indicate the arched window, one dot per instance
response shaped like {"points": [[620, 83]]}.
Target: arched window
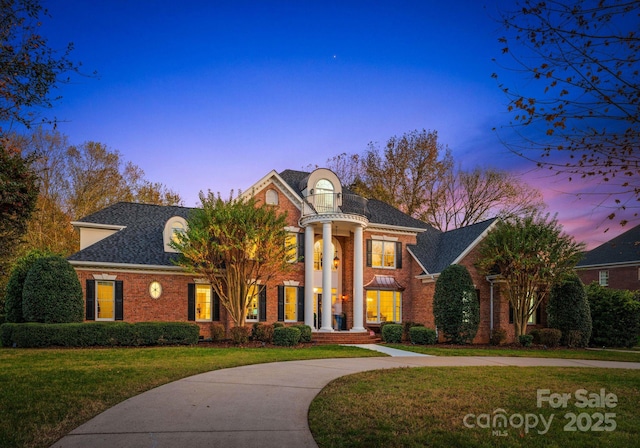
{"points": [[317, 255], [324, 196], [174, 226], [272, 197]]}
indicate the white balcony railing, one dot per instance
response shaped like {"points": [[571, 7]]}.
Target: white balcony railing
{"points": [[323, 203]]}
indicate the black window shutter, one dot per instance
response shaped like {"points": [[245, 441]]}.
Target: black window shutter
{"points": [[300, 246], [300, 304], [398, 255], [510, 314], [91, 300], [216, 305], [280, 303], [119, 309], [369, 255], [538, 315], [191, 301], [262, 304]]}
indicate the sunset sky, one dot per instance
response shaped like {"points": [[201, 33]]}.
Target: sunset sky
{"points": [[215, 94]]}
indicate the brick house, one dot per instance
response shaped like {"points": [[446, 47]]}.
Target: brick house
{"points": [[378, 263], [615, 264]]}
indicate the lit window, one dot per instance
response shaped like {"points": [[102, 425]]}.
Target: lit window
{"points": [[203, 302], [272, 197], [177, 228], [290, 303], [105, 300], [291, 245], [383, 254], [317, 256], [253, 303], [603, 278], [384, 306]]}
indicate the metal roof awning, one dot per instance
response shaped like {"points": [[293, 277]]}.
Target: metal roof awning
{"points": [[386, 282]]}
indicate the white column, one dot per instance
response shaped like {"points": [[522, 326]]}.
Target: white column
{"points": [[308, 276], [327, 260], [358, 284]]}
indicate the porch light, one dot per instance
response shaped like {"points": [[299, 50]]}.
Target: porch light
{"points": [[336, 261]]}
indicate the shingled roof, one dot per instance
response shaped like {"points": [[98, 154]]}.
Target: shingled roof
{"points": [[623, 249], [437, 250], [140, 243]]}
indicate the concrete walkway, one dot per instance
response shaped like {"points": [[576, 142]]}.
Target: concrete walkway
{"points": [[263, 405]]}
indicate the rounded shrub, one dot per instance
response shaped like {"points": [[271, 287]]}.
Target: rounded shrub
{"points": [[15, 285], [568, 310], [52, 292], [305, 332], [455, 305], [420, 335], [498, 336], [286, 336], [262, 332], [217, 332], [550, 337], [525, 340], [240, 335], [392, 333]]}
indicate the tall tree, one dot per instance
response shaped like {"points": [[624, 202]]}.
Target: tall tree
{"points": [[530, 255], [29, 68], [18, 196], [236, 245], [402, 174], [580, 112], [462, 198]]}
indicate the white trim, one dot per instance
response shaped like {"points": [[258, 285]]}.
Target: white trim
{"points": [[292, 229], [376, 227], [92, 225], [124, 267], [384, 238], [291, 283], [416, 260], [626, 264], [104, 277], [272, 177]]}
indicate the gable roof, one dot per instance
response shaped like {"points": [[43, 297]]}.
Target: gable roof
{"points": [[140, 242], [436, 250], [380, 212], [623, 249]]}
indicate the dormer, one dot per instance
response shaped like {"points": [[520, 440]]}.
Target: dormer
{"points": [[173, 226], [323, 191], [91, 233]]}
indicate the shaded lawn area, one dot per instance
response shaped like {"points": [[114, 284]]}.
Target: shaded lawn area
{"points": [[601, 355], [426, 406], [46, 393]]}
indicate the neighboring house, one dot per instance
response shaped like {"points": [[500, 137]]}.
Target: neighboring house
{"points": [[615, 264], [362, 257]]}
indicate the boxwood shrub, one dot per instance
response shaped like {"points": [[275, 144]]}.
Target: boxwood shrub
{"points": [[32, 335], [262, 332], [420, 335], [549, 337], [286, 336], [392, 333], [305, 332], [525, 340]]}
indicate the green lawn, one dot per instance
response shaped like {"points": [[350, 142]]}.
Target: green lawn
{"points": [[46, 393], [429, 407], [602, 355]]}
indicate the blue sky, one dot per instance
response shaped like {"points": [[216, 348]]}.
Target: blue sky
{"points": [[214, 94]]}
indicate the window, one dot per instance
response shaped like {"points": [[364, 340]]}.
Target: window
{"points": [[177, 228], [384, 306], [291, 245], [105, 301], [384, 254], [323, 199], [603, 278], [317, 256], [203, 302], [272, 197], [257, 304], [172, 228], [290, 303]]}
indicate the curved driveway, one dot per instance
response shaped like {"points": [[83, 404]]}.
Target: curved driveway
{"points": [[262, 405]]}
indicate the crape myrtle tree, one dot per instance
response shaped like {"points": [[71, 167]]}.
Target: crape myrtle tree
{"points": [[530, 255], [455, 305], [236, 244], [579, 114]]}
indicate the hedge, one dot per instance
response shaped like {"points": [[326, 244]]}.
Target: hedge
{"points": [[615, 315], [305, 332], [109, 334], [286, 336], [568, 310]]}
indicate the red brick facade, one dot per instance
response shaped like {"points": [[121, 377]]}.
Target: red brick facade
{"points": [[623, 277]]}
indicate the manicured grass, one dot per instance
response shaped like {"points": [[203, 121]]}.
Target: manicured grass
{"points": [[46, 393], [427, 407], [601, 355]]}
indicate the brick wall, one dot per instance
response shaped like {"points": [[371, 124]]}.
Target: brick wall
{"points": [[625, 277]]}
